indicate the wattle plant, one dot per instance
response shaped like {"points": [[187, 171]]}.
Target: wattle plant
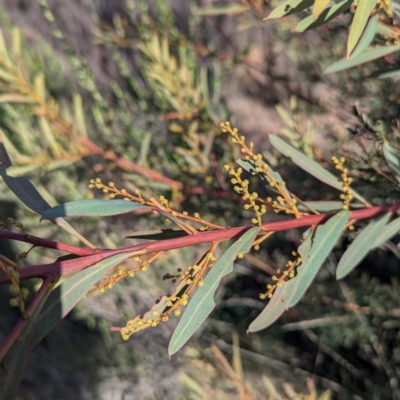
{"points": [[373, 33], [71, 277]]}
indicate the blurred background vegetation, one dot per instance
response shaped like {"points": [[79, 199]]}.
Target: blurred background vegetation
{"points": [[149, 82]]}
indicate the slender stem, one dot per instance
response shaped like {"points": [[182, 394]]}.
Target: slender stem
{"points": [[187, 228], [13, 336], [61, 268], [50, 244], [126, 164], [67, 267]]}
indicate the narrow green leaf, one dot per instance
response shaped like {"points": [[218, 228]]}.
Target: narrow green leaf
{"points": [[93, 208], [305, 163], [286, 117], [16, 42], [361, 246], [21, 187], [145, 143], [23, 170], [29, 195], [386, 29], [79, 114], [367, 36], [26, 192], [392, 159], [390, 230], [319, 7], [11, 149], [289, 7], [39, 84], [14, 361], [202, 303], [325, 206], [3, 48], [323, 242], [15, 98], [63, 224], [6, 76], [309, 165], [275, 307], [64, 297], [305, 247], [389, 74], [5, 161], [367, 55], [327, 15], [360, 20]]}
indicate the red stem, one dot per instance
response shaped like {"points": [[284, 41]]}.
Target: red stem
{"points": [[155, 176], [73, 266], [50, 244], [124, 163]]}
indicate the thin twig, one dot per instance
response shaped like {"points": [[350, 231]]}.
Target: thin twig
{"points": [[50, 244], [260, 264]]}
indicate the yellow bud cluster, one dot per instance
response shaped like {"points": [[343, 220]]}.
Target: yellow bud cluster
{"points": [[210, 256], [17, 224], [284, 203], [281, 277], [163, 201], [20, 293], [21, 256], [112, 191], [184, 299], [154, 317], [242, 187], [346, 181]]}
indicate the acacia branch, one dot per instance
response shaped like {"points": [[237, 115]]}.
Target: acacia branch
{"points": [[67, 267], [50, 244]]}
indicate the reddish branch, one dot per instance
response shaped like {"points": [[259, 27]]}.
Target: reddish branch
{"points": [[50, 244], [126, 164], [92, 257], [92, 148]]}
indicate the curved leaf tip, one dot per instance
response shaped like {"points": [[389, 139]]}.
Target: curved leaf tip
{"points": [[314, 251], [202, 302], [361, 246]]}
